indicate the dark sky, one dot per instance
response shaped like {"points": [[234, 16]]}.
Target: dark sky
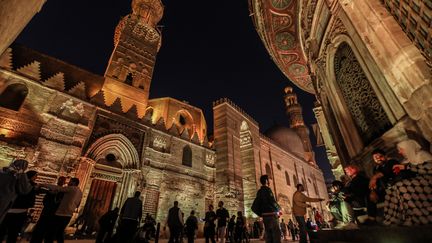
{"points": [[210, 49]]}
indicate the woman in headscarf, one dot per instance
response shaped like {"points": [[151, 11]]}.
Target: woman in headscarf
{"points": [[413, 153], [407, 200], [13, 182]]}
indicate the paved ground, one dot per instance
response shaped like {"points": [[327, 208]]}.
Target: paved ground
{"points": [[201, 240]]}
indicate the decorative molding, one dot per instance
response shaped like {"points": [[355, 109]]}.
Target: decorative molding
{"points": [[79, 90], [56, 82], [32, 70], [6, 59]]}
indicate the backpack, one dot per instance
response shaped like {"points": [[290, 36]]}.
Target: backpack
{"points": [[256, 207]]}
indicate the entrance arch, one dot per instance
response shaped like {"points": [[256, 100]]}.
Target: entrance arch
{"points": [[115, 176]]}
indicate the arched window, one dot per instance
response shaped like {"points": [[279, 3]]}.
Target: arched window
{"points": [[187, 156], [182, 120], [268, 171], [13, 96], [288, 182], [362, 102], [305, 185], [129, 79]]}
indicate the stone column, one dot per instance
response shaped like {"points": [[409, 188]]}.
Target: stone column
{"points": [[328, 142], [14, 16]]}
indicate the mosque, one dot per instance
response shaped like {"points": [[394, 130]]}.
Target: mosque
{"points": [[106, 131]]}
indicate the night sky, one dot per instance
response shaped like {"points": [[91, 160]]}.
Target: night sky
{"points": [[210, 50]]}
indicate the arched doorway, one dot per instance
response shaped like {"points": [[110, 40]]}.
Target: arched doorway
{"points": [[114, 178]]}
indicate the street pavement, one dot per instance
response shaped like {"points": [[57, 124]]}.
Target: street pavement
{"points": [[200, 240]]}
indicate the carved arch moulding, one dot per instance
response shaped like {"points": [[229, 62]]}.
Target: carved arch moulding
{"points": [[117, 145]]}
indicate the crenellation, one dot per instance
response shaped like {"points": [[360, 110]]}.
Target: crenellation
{"points": [[31, 70]]}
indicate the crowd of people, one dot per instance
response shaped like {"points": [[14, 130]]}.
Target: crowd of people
{"points": [[397, 193], [18, 194]]}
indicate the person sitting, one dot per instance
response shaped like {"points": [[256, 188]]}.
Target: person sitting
{"points": [[383, 176], [343, 216], [356, 190], [407, 200], [318, 217]]}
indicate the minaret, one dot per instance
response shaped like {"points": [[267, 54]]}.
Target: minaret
{"points": [[136, 44], [294, 112]]}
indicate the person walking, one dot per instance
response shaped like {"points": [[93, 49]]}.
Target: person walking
{"points": [[291, 228], [50, 203], [71, 199], [175, 223], [209, 225], [299, 210], [191, 227], [106, 225], [18, 213], [283, 227], [222, 218], [265, 206], [13, 182], [231, 225], [240, 227], [130, 217]]}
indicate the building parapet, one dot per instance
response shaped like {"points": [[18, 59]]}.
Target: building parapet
{"points": [[236, 107]]}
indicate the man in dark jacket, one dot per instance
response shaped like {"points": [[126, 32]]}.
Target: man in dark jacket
{"points": [[356, 190], [51, 202], [106, 225], [175, 223], [17, 214], [265, 206], [13, 182], [130, 217], [191, 226], [383, 175]]}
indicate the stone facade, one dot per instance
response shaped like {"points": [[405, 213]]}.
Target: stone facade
{"points": [[243, 154], [381, 95], [14, 16], [105, 131]]}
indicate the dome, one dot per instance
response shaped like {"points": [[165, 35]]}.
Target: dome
{"points": [[286, 138]]}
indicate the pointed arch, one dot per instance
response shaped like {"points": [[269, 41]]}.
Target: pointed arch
{"points": [[268, 171], [287, 178], [369, 116], [117, 145]]}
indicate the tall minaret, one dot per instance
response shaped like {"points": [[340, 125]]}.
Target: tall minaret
{"points": [[136, 44], [294, 112]]}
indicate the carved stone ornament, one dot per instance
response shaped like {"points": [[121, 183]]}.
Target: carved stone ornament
{"points": [[337, 28], [71, 108], [210, 159], [360, 98], [159, 142]]}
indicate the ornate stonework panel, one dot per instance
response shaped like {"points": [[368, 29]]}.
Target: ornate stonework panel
{"points": [[276, 22], [285, 41], [210, 160], [105, 125], [280, 4], [360, 98]]}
